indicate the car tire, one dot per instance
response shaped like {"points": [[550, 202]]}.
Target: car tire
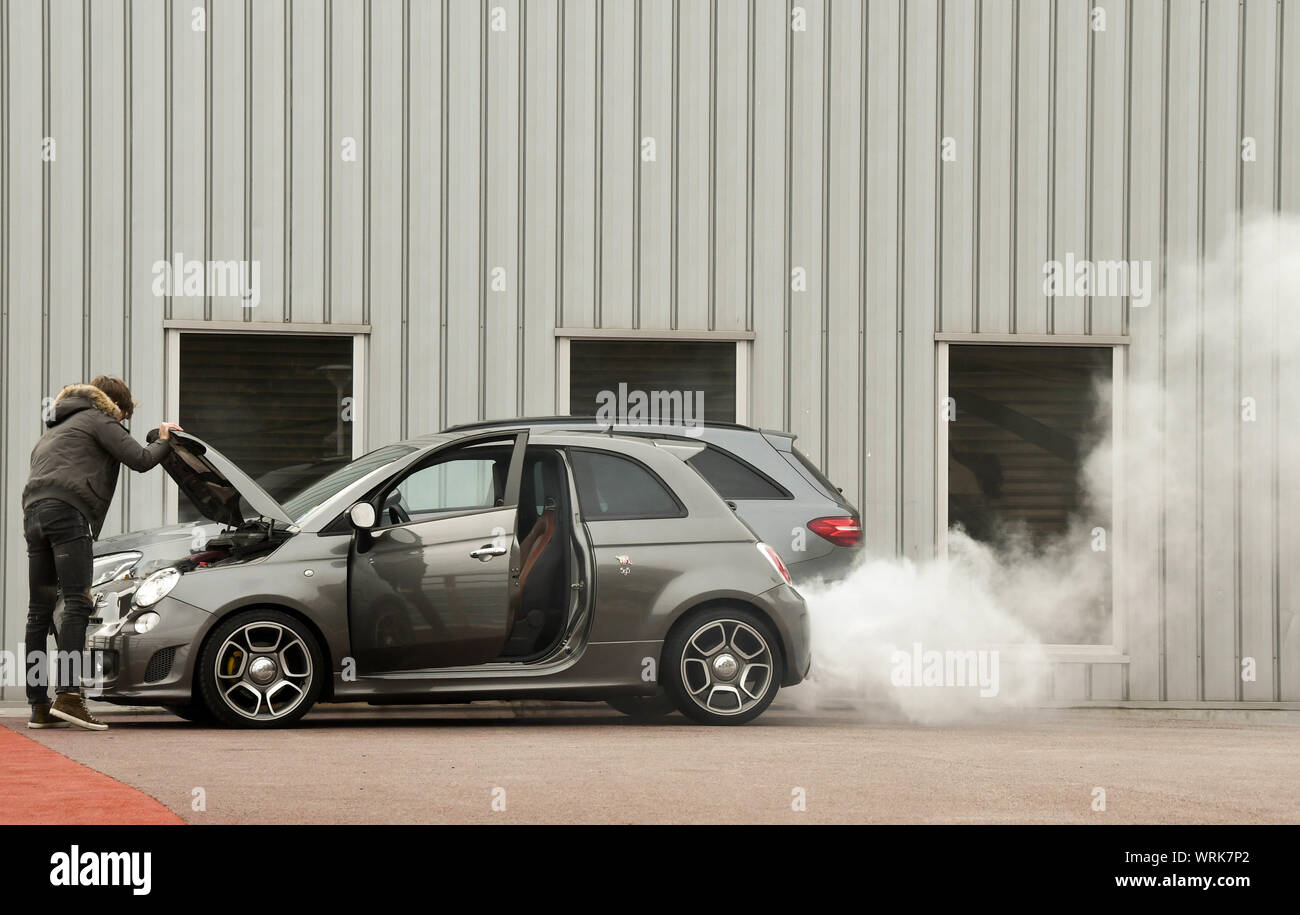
{"points": [[196, 712], [644, 708], [260, 669], [722, 665]]}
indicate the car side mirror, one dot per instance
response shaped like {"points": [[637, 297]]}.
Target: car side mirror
{"points": [[362, 516]]}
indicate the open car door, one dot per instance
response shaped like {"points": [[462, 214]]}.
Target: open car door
{"points": [[429, 584]]}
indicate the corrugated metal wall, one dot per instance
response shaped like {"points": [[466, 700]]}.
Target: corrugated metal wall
{"points": [[786, 136]]}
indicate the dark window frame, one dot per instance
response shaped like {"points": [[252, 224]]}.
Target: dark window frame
{"points": [[683, 512], [786, 497]]}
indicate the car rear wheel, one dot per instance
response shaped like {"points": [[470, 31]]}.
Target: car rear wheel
{"points": [[260, 669], [644, 708], [722, 665]]}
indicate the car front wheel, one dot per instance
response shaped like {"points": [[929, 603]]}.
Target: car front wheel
{"points": [[722, 665], [260, 669]]}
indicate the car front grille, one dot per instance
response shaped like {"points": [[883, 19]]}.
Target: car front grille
{"points": [[160, 665]]}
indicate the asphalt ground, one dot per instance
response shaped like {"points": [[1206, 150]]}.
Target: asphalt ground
{"points": [[579, 763]]}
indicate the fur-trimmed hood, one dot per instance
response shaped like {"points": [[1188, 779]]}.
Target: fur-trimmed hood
{"points": [[77, 397]]}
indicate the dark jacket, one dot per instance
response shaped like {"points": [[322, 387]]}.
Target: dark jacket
{"points": [[78, 459]]}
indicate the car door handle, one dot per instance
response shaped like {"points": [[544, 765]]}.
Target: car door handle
{"points": [[487, 551]]}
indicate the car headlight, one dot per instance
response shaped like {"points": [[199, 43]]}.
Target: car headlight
{"points": [[113, 566], [156, 587], [146, 621]]}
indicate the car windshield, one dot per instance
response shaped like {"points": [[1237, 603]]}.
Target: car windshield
{"points": [[306, 500]]}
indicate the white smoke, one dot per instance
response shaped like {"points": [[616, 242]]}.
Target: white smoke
{"points": [[872, 630]]}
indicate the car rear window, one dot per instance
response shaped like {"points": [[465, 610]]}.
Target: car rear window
{"points": [[733, 478], [820, 478], [614, 488]]}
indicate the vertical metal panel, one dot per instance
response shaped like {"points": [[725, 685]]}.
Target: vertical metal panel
{"points": [[1107, 117], [267, 146], [1257, 452], [1220, 418], [876, 489], [420, 351], [503, 216], [65, 240], [918, 283], [1033, 167], [349, 120], [185, 82], [578, 101], [1141, 584], [995, 141], [1287, 581], [807, 215], [841, 378], [540, 203], [1068, 163], [692, 149], [309, 154], [617, 162], [465, 293], [146, 368], [25, 328], [770, 268], [1182, 118], [385, 193], [653, 305], [960, 155], [106, 201], [228, 145], [728, 233]]}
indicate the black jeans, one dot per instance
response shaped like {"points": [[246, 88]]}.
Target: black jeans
{"points": [[59, 555]]}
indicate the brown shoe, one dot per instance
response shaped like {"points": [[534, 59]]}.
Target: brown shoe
{"points": [[41, 718], [72, 709]]}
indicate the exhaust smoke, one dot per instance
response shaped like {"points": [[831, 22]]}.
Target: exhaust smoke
{"points": [[961, 637]]}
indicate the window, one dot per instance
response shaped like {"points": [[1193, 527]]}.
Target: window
{"points": [[454, 483], [653, 381], [614, 488], [1025, 420], [311, 497], [733, 478], [286, 442]]}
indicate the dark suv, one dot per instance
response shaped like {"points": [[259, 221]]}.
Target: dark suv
{"points": [[774, 488]]}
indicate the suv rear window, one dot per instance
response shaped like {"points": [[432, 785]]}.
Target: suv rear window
{"points": [[820, 478], [734, 479], [613, 488]]}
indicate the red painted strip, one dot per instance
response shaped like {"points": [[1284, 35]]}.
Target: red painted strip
{"points": [[41, 787]]}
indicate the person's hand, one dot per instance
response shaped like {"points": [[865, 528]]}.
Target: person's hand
{"points": [[165, 429]]}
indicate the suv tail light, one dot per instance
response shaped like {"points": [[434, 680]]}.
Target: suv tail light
{"points": [[839, 531], [775, 559]]}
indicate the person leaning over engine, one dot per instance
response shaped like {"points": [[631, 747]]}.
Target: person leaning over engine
{"points": [[74, 471]]}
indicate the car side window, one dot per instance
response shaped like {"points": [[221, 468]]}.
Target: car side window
{"points": [[461, 483], [613, 488], [734, 479]]}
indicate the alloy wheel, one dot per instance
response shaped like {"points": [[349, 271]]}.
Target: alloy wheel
{"points": [[726, 667], [263, 671]]}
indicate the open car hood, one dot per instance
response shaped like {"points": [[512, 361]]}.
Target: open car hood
{"points": [[213, 483]]}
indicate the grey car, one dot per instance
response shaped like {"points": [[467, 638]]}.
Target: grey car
{"points": [[489, 564], [774, 487]]}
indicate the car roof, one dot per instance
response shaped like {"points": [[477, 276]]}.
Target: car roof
{"points": [[565, 420], [589, 437]]}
